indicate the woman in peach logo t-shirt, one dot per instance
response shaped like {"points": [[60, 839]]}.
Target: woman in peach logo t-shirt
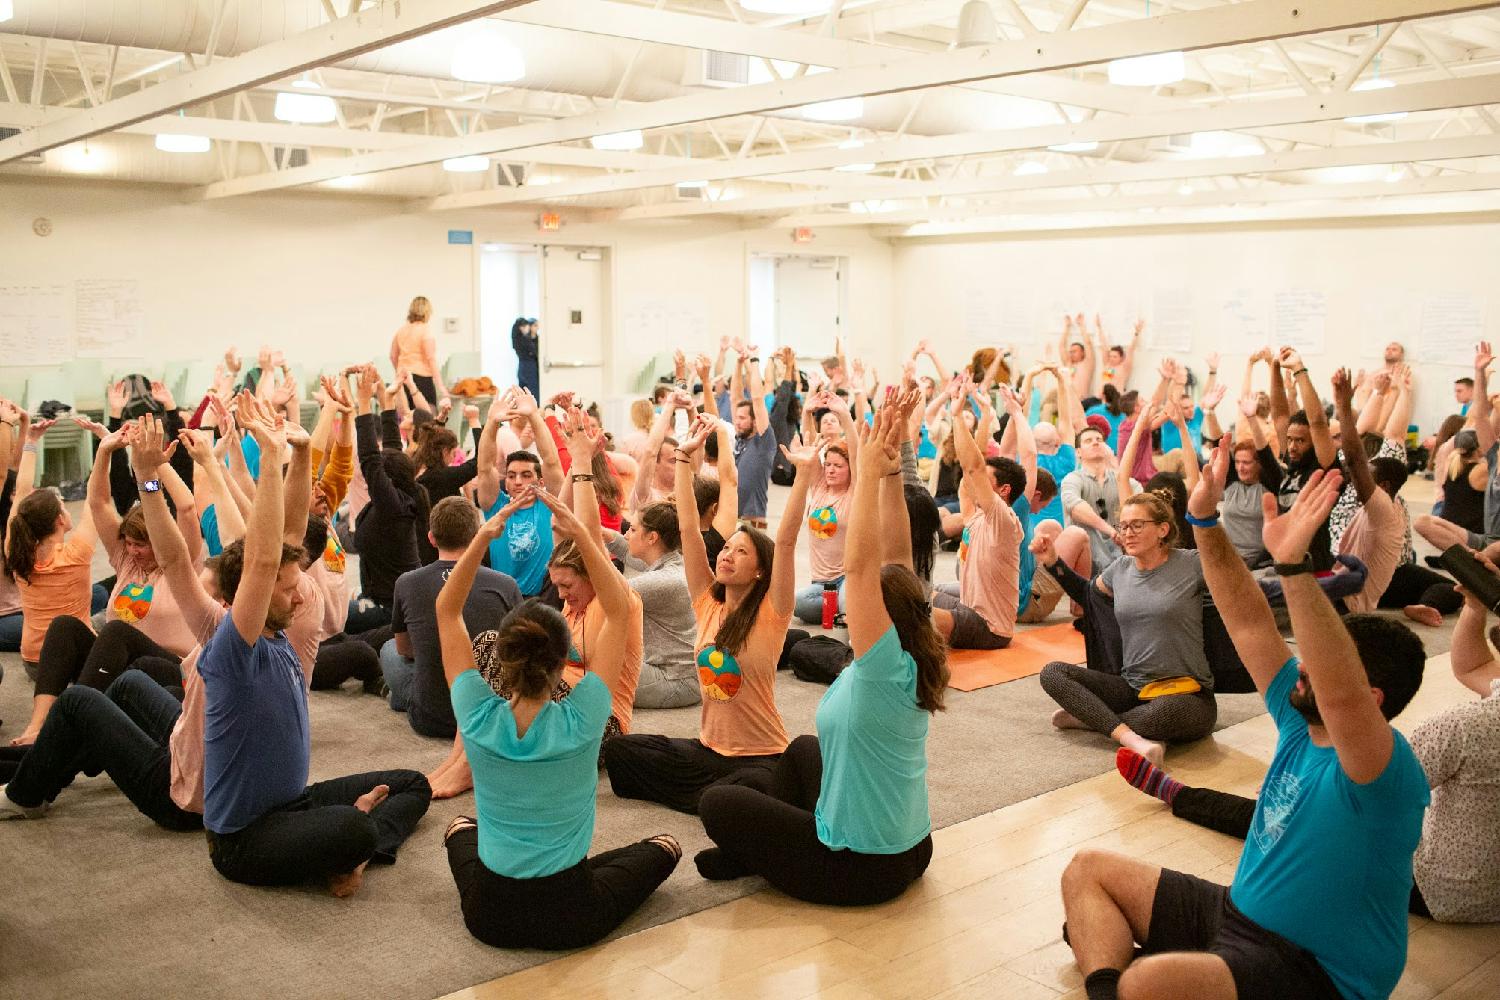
{"points": [[743, 606]]}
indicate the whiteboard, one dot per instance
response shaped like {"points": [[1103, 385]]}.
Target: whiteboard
{"points": [[665, 324], [34, 325], [108, 317], [1171, 326], [1301, 320]]}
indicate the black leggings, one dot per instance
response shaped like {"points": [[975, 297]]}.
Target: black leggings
{"points": [[770, 831], [672, 771], [569, 909], [1103, 701], [73, 654], [341, 657], [1414, 584], [1232, 815]]}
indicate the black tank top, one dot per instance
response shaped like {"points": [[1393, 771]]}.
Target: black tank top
{"points": [[1462, 503]]}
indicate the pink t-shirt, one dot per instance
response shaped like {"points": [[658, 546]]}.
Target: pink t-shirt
{"points": [[186, 742], [990, 571], [143, 599], [1145, 466], [1376, 538], [328, 573], [827, 531]]}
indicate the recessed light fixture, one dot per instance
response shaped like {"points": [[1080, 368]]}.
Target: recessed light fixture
{"points": [[305, 108], [7, 10], [619, 141], [1030, 168], [466, 164], [1375, 83]]}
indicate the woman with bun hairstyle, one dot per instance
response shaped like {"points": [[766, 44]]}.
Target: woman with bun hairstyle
{"points": [[843, 819], [743, 605], [524, 878]]}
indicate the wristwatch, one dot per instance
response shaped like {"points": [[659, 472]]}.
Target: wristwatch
{"points": [[1296, 568], [151, 486]]}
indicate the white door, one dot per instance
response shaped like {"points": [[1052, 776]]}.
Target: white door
{"points": [[509, 289], [574, 327], [807, 304]]}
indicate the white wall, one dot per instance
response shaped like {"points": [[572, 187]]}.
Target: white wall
{"points": [[329, 277], [1374, 280]]}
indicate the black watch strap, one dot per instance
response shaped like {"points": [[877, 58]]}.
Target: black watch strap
{"points": [[1294, 569]]}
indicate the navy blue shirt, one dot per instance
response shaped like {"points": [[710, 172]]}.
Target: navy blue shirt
{"points": [[256, 738]]}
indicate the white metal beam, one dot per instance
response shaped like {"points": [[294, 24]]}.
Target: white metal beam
{"points": [[1426, 96], [360, 32], [1128, 173], [1253, 21], [1265, 194]]}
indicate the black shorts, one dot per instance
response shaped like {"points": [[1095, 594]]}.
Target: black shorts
{"points": [[1191, 914]]}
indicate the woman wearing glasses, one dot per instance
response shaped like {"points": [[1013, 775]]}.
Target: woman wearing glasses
{"points": [[1164, 690]]}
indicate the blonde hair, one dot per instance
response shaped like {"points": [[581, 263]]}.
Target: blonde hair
{"points": [[1158, 504], [641, 412], [420, 310]]}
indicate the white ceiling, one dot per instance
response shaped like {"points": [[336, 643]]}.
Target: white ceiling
{"points": [[957, 140]]}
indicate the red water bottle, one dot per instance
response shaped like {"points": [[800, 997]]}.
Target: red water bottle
{"points": [[830, 603]]}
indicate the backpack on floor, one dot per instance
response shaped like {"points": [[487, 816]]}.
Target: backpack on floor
{"points": [[820, 659]]}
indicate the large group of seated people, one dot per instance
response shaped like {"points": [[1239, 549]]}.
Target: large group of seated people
{"points": [[533, 591]]}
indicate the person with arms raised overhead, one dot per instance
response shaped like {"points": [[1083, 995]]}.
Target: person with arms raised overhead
{"points": [[755, 441], [523, 551], [843, 818], [1318, 904], [743, 606], [266, 825], [524, 878]]}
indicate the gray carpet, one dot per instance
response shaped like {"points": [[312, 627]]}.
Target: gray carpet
{"points": [[99, 901]]}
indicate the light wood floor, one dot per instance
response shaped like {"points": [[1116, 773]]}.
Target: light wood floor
{"points": [[985, 921]]}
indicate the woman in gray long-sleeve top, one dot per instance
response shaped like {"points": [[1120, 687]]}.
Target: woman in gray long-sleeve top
{"points": [[669, 672]]}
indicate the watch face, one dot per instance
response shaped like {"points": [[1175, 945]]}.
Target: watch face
{"points": [[153, 486]]}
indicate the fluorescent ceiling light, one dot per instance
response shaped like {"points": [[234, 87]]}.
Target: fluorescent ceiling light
{"points": [[484, 55], [1184, 189], [168, 143], [1030, 168], [856, 168], [7, 10], [852, 144], [620, 141], [842, 110], [1210, 144], [1375, 83], [787, 6], [466, 164], [1074, 147], [76, 157], [1148, 71], [305, 109], [1395, 174]]}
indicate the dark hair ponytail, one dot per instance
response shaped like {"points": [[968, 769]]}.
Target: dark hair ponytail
{"points": [[531, 646], [906, 602], [34, 521]]}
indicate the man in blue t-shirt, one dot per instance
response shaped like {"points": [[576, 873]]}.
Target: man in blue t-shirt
{"points": [[1318, 905], [754, 440], [266, 825], [523, 550]]}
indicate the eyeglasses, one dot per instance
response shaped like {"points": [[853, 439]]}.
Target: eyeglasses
{"points": [[1132, 527]]}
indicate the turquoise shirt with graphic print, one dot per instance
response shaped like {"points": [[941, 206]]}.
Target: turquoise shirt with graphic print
{"points": [[1327, 864]]}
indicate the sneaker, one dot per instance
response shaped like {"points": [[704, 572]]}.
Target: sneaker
{"points": [[9, 810]]}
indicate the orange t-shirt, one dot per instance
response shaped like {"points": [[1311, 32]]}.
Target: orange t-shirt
{"points": [[592, 653], [739, 690], [59, 586]]}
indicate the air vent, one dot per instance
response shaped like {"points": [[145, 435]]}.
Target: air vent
{"points": [[287, 157], [692, 191], [6, 132], [510, 174], [718, 69], [1180, 143]]}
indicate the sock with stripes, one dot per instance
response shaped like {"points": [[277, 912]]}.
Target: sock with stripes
{"points": [[1146, 776]]}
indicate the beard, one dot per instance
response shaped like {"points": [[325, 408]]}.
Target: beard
{"points": [[278, 619], [1306, 703]]}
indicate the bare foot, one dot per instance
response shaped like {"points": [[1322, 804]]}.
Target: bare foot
{"points": [[368, 801], [452, 781], [1156, 753], [1062, 719], [344, 886], [1424, 614], [25, 739]]}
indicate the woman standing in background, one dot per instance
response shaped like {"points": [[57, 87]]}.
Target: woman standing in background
{"points": [[414, 349], [524, 340]]}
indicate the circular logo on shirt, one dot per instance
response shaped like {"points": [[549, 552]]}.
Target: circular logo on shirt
{"points": [[963, 545], [333, 555], [719, 673], [134, 602], [823, 522]]}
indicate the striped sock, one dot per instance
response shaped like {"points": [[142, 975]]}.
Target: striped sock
{"points": [[1146, 776]]}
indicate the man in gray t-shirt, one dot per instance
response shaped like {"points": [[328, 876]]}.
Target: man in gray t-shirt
{"points": [[415, 655], [1101, 495]]}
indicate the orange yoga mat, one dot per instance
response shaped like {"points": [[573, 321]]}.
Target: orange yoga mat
{"points": [[1029, 651]]}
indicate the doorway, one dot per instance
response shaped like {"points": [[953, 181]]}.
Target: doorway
{"points": [[565, 289], [797, 300]]}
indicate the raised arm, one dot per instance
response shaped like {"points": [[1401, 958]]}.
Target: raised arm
{"points": [[1369, 414], [758, 398], [489, 456], [1281, 409], [700, 574], [1355, 459], [178, 568], [1312, 405], [1242, 604], [208, 468], [101, 505], [659, 428], [546, 447], [1025, 438], [1400, 419], [1481, 412], [783, 589], [1144, 414], [186, 512], [727, 514], [298, 485], [1360, 733], [252, 601], [1473, 660], [610, 588], [975, 490], [866, 615], [453, 634], [1122, 376]]}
